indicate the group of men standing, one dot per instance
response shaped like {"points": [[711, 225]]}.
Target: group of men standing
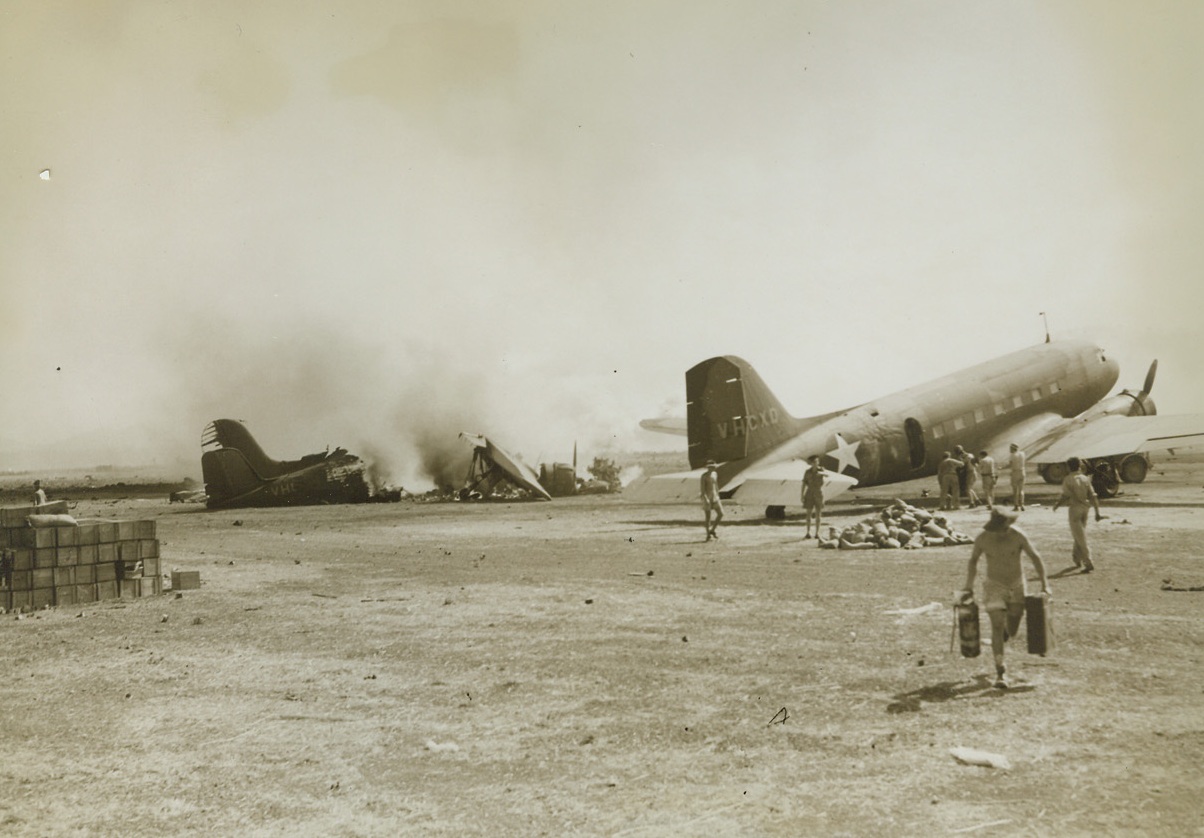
{"points": [[959, 471]]}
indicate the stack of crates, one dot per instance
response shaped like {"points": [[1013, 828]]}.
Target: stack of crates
{"points": [[74, 564]]}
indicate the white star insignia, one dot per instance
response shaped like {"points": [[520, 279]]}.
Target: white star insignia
{"points": [[845, 454]]}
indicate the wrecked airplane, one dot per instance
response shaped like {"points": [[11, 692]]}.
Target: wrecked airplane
{"points": [[493, 466], [238, 473]]}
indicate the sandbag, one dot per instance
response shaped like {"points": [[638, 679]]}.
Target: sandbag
{"points": [[61, 520]]}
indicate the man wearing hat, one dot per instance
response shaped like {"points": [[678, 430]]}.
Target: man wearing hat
{"points": [[710, 499], [1003, 590]]}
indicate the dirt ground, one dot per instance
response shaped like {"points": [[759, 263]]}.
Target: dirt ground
{"points": [[591, 667]]}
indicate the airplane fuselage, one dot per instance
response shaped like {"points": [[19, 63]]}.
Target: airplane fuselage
{"points": [[903, 436]]}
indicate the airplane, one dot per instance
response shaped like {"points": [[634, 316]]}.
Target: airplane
{"points": [[1049, 399], [491, 465], [238, 473]]}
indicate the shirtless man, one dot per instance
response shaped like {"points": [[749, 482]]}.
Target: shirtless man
{"points": [[710, 499], [39, 494], [813, 492], [1003, 590], [1017, 463], [1077, 489], [946, 476]]}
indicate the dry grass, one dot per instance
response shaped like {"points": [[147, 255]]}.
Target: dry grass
{"points": [[590, 667]]}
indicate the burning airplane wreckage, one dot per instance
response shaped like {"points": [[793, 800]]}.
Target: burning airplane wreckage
{"points": [[238, 473], [496, 472]]}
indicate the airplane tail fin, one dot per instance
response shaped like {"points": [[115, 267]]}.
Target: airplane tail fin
{"points": [[232, 463], [730, 412]]}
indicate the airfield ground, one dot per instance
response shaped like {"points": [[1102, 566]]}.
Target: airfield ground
{"points": [[591, 667]]}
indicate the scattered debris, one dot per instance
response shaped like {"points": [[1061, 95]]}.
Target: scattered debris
{"points": [[972, 756], [930, 608], [1167, 585], [436, 747]]}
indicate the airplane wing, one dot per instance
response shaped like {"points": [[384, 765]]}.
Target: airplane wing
{"points": [[777, 485], [675, 425], [1116, 435]]}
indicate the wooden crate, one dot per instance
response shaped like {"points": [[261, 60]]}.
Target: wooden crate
{"points": [[64, 577], [36, 537], [66, 556], [106, 553], [85, 574], [106, 572], [64, 595], [126, 530], [130, 588], [45, 556], [185, 580], [43, 577], [22, 558], [88, 553], [106, 589], [106, 532], [42, 597], [85, 593], [89, 532], [152, 567], [66, 536]]}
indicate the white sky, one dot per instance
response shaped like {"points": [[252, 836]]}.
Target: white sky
{"points": [[375, 224]]}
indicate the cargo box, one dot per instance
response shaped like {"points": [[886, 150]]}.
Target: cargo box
{"points": [[106, 532], [126, 530], [85, 574], [43, 577], [36, 537], [185, 580], [106, 572], [45, 557], [85, 593], [21, 580], [106, 553], [19, 600], [151, 567], [106, 589], [66, 536], [127, 551], [89, 532], [66, 556], [130, 588], [88, 554], [42, 597], [64, 595], [129, 570], [64, 576], [22, 558], [148, 548], [152, 585]]}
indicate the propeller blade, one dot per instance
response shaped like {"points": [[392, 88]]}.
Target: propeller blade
{"points": [[1149, 379]]}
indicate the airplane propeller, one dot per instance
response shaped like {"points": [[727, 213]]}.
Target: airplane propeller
{"points": [[1149, 379]]}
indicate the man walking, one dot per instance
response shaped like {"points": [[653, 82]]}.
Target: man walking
{"points": [[989, 475], [710, 499], [1003, 590], [1077, 489]]}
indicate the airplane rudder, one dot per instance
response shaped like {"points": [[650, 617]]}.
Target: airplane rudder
{"points": [[731, 412]]}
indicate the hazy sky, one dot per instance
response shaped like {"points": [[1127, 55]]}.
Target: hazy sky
{"points": [[375, 224]]}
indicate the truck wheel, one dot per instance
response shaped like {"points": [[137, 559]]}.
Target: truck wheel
{"points": [[1054, 473]]}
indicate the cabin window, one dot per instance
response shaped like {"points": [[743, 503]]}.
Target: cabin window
{"points": [[1017, 401], [1054, 387], [959, 424], [979, 414], [1036, 394], [938, 431], [999, 409]]}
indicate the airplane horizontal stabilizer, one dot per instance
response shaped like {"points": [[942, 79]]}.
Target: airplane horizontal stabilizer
{"points": [[1118, 435], [680, 487], [782, 484]]}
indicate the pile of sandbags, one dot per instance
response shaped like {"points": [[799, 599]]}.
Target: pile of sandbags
{"points": [[900, 525]]}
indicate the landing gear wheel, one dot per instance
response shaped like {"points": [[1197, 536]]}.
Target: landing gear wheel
{"points": [[1105, 480], [775, 513], [1053, 473], [1134, 468]]}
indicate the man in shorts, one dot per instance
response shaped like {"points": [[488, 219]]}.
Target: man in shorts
{"points": [[1003, 590], [1077, 489], [813, 492], [710, 499], [946, 477]]}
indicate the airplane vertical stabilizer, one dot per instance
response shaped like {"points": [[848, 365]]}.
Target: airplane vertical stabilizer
{"points": [[730, 412]]}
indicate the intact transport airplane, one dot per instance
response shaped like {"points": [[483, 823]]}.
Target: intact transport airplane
{"points": [[1049, 399]]}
